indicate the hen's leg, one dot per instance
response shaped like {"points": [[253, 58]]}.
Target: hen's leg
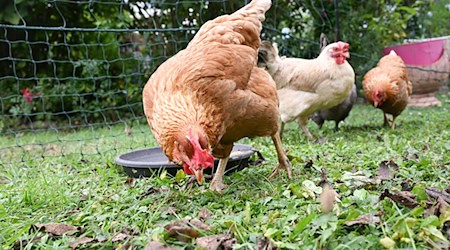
{"points": [[281, 130], [393, 122], [303, 123], [336, 127], [283, 161], [217, 183], [386, 120], [321, 124]]}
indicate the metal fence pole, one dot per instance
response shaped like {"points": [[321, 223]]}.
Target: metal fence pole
{"points": [[336, 5]]}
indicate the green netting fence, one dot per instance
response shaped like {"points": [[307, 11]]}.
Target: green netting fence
{"points": [[72, 72]]}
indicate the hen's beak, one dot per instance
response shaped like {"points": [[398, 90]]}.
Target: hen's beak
{"points": [[375, 103], [346, 54], [199, 175]]}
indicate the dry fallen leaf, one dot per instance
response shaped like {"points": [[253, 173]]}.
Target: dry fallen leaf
{"points": [[323, 177], [365, 219], [407, 185], [57, 228], [327, 198], [119, 237], [221, 241], [131, 230], [204, 214], [433, 192], [384, 170], [404, 198], [440, 207], [21, 244], [81, 241], [265, 244], [198, 224], [185, 229], [153, 245]]}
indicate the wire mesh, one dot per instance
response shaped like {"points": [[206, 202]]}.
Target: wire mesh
{"points": [[72, 72]]}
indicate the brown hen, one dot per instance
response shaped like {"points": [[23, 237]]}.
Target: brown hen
{"points": [[211, 94], [387, 87]]}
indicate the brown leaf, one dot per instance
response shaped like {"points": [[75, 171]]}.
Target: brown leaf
{"points": [[327, 198], [81, 241], [198, 224], [407, 186], [204, 214], [404, 198], [101, 239], [365, 219], [131, 182], [384, 172], [153, 245], [220, 241], [265, 244], [120, 237], [185, 229], [21, 244], [437, 208], [131, 230], [57, 228], [171, 210], [323, 177], [433, 192]]}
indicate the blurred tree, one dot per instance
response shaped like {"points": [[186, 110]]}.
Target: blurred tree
{"points": [[90, 59]]}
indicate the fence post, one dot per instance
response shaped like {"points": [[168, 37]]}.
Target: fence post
{"points": [[336, 6]]}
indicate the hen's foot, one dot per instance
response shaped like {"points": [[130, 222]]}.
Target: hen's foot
{"points": [[306, 131], [217, 185], [393, 123], [284, 166]]}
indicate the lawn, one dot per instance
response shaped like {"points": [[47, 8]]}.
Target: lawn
{"points": [[71, 178]]}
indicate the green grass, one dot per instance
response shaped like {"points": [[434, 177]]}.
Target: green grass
{"points": [[71, 178]]}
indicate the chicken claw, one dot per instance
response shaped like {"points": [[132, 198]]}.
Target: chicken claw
{"points": [[283, 161], [217, 182]]}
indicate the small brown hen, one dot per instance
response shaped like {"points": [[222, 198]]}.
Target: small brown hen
{"points": [[387, 87], [212, 94]]}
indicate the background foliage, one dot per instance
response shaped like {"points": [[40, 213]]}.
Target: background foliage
{"points": [[85, 62]]}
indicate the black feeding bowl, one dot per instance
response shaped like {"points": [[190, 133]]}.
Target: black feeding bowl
{"points": [[142, 162]]}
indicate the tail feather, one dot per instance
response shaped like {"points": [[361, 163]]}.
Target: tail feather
{"points": [[241, 27]]}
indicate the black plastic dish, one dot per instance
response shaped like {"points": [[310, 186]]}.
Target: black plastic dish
{"points": [[142, 163]]}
